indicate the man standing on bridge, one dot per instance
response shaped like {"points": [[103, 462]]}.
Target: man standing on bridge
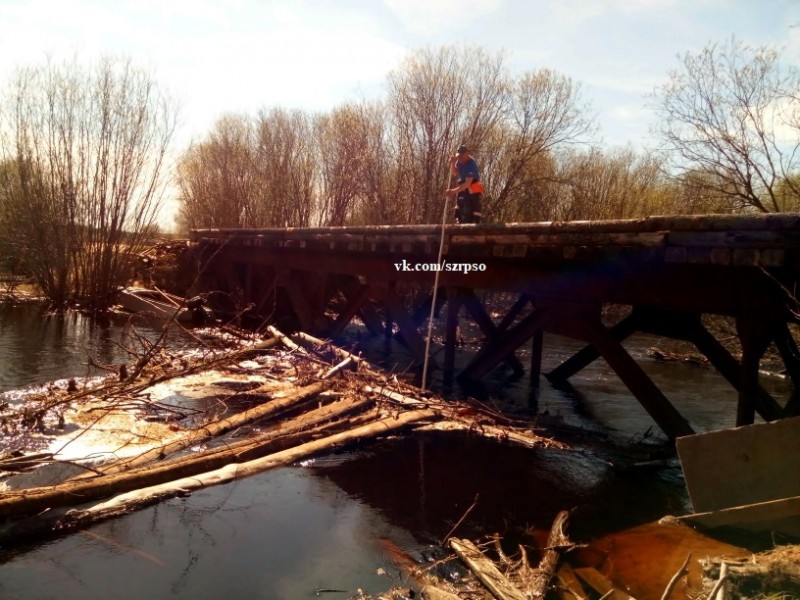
{"points": [[469, 188]]}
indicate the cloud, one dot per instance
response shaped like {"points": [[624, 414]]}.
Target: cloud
{"points": [[573, 14], [293, 63], [428, 17], [245, 56]]}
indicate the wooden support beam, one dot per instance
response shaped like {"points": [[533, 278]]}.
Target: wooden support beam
{"points": [[451, 331], [731, 370], [388, 326], [372, 320], [249, 283], [513, 312], [299, 297], [264, 290], [537, 348], [789, 352], [791, 359], [755, 335], [641, 386], [423, 311], [588, 354], [405, 323], [498, 349], [353, 304], [489, 329]]}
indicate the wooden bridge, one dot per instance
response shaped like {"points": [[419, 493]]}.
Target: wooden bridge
{"points": [[668, 272]]}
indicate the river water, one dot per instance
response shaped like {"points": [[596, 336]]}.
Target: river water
{"points": [[335, 522]]}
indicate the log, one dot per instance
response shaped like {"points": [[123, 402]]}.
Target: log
{"points": [[310, 339], [484, 569], [216, 428], [400, 398], [411, 568], [34, 500], [131, 386], [344, 364], [500, 434], [298, 431], [285, 340], [719, 592], [547, 565]]}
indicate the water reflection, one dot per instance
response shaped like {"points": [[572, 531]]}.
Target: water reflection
{"points": [[282, 534], [37, 346], [426, 484]]}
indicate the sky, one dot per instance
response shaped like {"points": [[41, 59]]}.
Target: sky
{"points": [[216, 57]]}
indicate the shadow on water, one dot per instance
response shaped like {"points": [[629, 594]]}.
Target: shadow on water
{"points": [[38, 345], [426, 484]]}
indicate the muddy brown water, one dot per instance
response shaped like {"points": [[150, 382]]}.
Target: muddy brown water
{"points": [[334, 522]]}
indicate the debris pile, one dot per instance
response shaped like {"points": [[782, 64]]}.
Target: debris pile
{"points": [[167, 265], [293, 397], [168, 423]]}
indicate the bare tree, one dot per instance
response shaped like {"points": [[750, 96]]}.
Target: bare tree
{"points": [[383, 181], [287, 161], [89, 146], [12, 254], [731, 112], [426, 97], [251, 172], [343, 139], [217, 177], [614, 184], [546, 114]]}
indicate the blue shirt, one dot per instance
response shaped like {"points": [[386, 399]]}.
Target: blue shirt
{"points": [[468, 169]]}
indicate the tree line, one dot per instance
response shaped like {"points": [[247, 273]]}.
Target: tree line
{"points": [[83, 155], [728, 124]]}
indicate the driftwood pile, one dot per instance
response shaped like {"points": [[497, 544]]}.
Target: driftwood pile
{"points": [[761, 575], [313, 398], [490, 571]]}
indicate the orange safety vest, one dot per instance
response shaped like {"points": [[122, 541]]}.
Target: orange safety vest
{"points": [[476, 187]]}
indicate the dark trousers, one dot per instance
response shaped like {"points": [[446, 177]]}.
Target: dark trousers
{"points": [[468, 208]]}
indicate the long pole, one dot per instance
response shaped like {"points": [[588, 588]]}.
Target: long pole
{"points": [[435, 288]]}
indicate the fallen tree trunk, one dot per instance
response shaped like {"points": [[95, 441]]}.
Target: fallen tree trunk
{"points": [[216, 428], [142, 487], [305, 428], [316, 342], [500, 434], [600, 584], [70, 493]]}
